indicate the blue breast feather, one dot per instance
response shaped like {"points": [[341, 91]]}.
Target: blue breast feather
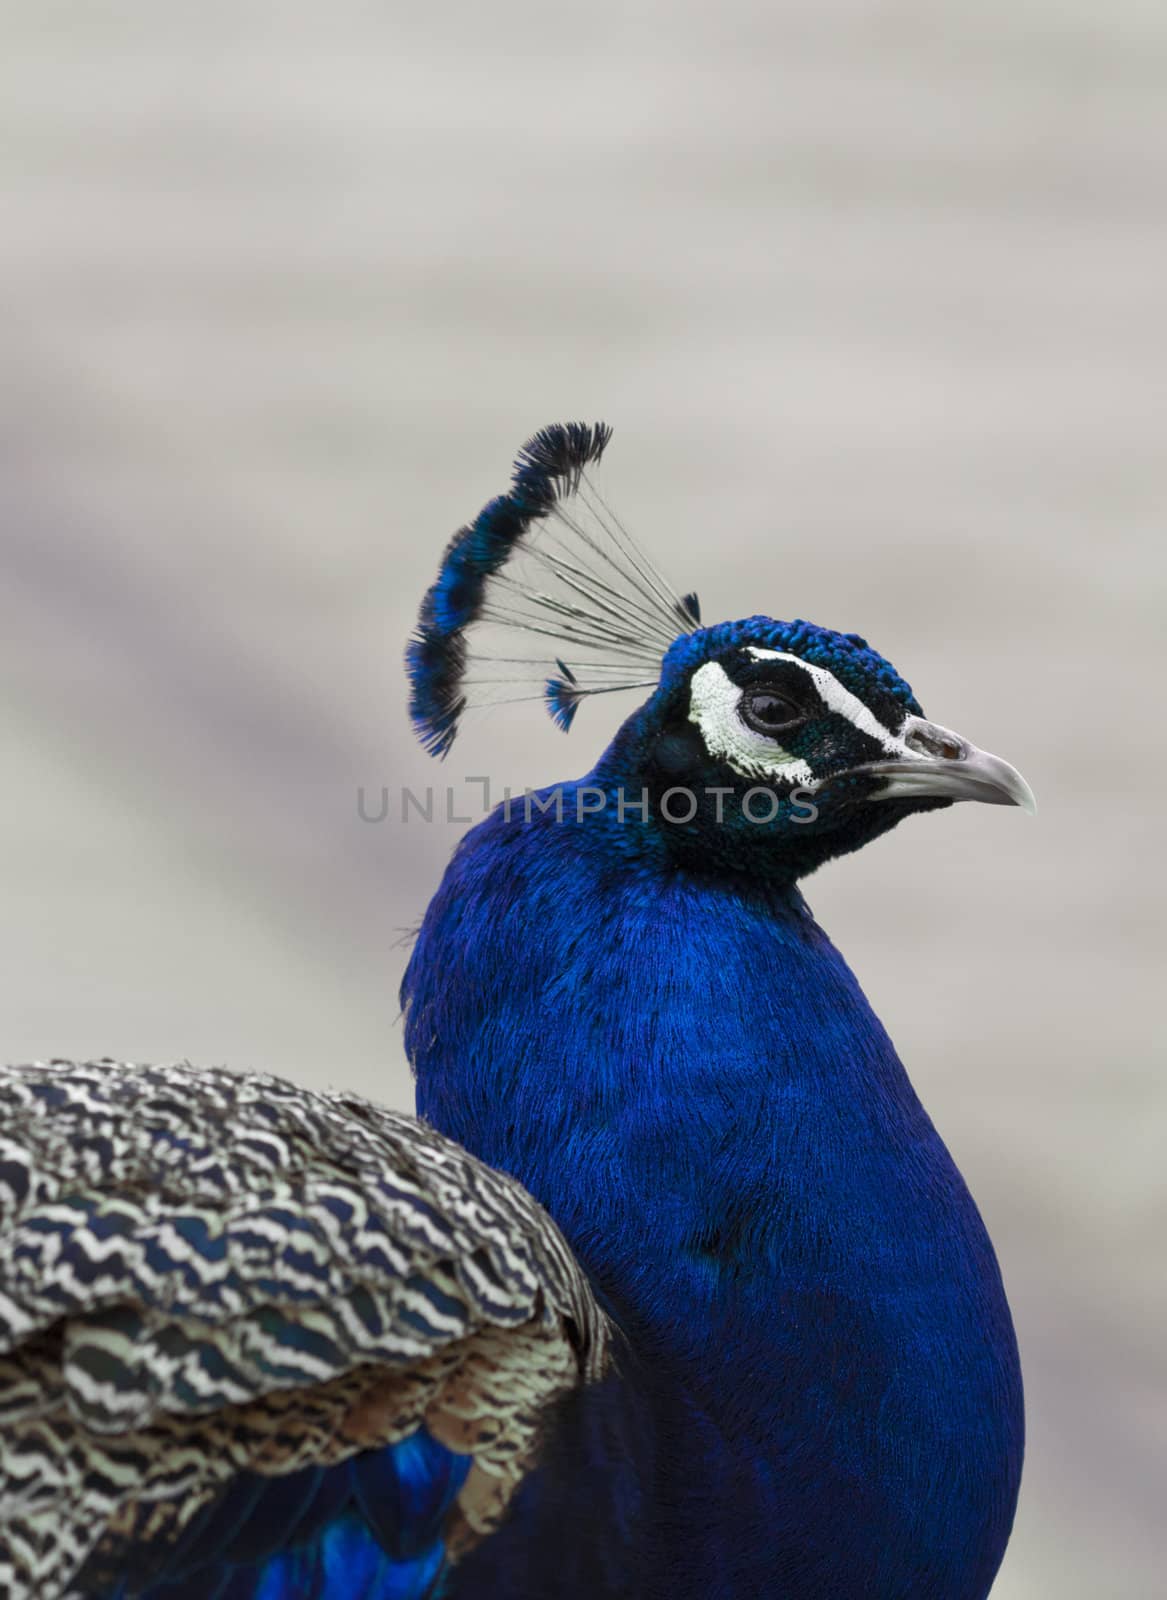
{"points": [[687, 1074]]}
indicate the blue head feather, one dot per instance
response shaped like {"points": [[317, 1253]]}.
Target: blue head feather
{"points": [[550, 464], [563, 698], [548, 467]]}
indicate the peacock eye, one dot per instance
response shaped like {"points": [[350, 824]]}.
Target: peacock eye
{"points": [[769, 713]]}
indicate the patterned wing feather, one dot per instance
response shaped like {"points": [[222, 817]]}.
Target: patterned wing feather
{"points": [[222, 1295]]}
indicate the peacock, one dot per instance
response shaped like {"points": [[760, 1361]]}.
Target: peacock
{"points": [[670, 1291]]}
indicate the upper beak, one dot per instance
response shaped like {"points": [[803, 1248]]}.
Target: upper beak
{"points": [[945, 766]]}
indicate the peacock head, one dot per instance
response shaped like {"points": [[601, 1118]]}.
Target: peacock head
{"points": [[766, 747]]}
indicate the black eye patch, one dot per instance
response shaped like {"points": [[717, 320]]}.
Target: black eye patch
{"points": [[777, 695]]}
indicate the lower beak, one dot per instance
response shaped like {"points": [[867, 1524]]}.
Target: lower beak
{"points": [[944, 766]]}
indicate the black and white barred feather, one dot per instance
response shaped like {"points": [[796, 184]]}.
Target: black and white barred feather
{"points": [[203, 1273]]}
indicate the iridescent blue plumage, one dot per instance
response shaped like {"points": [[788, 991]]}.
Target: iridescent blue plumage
{"points": [[700, 1094]]}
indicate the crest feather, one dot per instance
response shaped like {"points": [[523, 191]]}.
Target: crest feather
{"points": [[547, 559]]}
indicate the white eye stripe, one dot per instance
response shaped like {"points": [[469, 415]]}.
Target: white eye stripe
{"points": [[713, 706], [836, 698]]}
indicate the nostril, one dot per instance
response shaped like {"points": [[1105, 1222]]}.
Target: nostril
{"points": [[936, 742]]}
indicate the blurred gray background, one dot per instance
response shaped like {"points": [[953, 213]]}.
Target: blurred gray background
{"points": [[875, 296]]}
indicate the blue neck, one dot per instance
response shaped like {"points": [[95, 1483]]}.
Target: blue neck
{"points": [[690, 1079]]}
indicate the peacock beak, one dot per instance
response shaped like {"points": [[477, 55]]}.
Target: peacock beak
{"points": [[941, 765]]}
